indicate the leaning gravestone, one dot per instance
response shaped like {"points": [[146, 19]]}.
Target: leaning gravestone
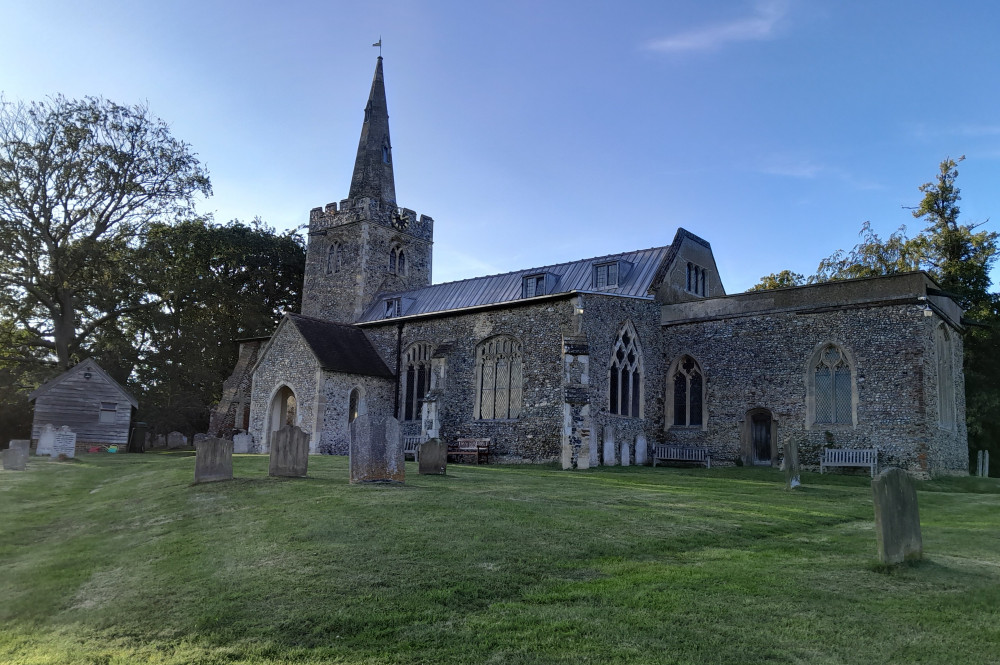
{"points": [[45, 440], [793, 474], [289, 452], [433, 458], [242, 443], [176, 440], [213, 460], [897, 519], [376, 451], [65, 442], [15, 459], [21, 444]]}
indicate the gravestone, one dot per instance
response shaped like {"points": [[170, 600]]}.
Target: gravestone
{"points": [[626, 453], [22, 444], [64, 442], [641, 450], [376, 451], [242, 443], [433, 458], [609, 446], [982, 463], [793, 473], [45, 440], [289, 453], [897, 519], [198, 438], [15, 459], [213, 460], [176, 440]]}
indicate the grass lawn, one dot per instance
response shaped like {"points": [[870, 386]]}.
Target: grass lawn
{"points": [[119, 559]]}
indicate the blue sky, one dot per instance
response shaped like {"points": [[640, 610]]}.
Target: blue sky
{"points": [[541, 132]]}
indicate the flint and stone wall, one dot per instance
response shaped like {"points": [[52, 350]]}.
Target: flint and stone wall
{"points": [[377, 398]]}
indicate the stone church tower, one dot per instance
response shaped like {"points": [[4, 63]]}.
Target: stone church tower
{"points": [[366, 247]]}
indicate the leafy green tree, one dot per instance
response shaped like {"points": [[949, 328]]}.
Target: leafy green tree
{"points": [[779, 280], [873, 256], [80, 180]]}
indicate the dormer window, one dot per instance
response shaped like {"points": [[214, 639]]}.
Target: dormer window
{"points": [[392, 308], [697, 280], [605, 275], [534, 285]]}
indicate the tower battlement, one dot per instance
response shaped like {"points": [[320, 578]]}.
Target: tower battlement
{"points": [[365, 209]]}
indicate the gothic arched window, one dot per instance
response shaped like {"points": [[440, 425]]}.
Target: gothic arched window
{"points": [[625, 375], [397, 261], [687, 385], [333, 258], [499, 376], [416, 379], [832, 387], [945, 378]]}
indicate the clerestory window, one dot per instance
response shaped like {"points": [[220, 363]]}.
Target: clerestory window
{"points": [[499, 379], [625, 375]]}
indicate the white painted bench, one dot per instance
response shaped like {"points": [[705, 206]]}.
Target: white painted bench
{"points": [[663, 452], [848, 457], [411, 446]]}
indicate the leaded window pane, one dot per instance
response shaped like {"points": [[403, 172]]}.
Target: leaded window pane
{"points": [[625, 392], [410, 380], [635, 395], [824, 394], [842, 395], [613, 389], [680, 399], [695, 400]]}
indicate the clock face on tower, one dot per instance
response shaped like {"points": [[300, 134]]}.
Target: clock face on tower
{"points": [[399, 221]]}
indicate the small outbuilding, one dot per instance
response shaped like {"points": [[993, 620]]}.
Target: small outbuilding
{"points": [[89, 401]]}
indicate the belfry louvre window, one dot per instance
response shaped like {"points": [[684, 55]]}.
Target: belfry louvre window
{"points": [[416, 379], [697, 280], [605, 275], [832, 384], [688, 386], [499, 377], [625, 375], [397, 261]]}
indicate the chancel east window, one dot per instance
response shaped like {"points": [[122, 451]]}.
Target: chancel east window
{"points": [[625, 375], [416, 379], [499, 377], [605, 275], [831, 374], [697, 280], [688, 385]]}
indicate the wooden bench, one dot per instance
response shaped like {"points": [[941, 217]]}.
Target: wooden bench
{"points": [[476, 449], [663, 452], [411, 446], [849, 457]]}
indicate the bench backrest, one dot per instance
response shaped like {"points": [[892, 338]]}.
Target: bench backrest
{"points": [[473, 443], [849, 456], [411, 443], [680, 453]]}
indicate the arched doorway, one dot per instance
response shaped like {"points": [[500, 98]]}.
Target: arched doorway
{"points": [[282, 411], [760, 438]]}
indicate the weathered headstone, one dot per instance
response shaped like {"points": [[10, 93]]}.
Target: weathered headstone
{"points": [[641, 450], [242, 443], [198, 438], [213, 460], [45, 440], [793, 473], [433, 458], [64, 443], [176, 440], [609, 447], [22, 444], [289, 452], [15, 459], [897, 519], [376, 451], [158, 441], [626, 453]]}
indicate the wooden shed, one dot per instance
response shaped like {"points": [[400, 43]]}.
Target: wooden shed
{"points": [[89, 401]]}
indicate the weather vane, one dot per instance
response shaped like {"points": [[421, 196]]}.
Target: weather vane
{"points": [[379, 45]]}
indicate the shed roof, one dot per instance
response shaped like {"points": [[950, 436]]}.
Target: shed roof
{"points": [[575, 276], [340, 347], [83, 366]]}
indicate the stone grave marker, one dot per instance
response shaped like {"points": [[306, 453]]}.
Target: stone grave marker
{"points": [[242, 443], [64, 443], [23, 444], [15, 459], [433, 458], [626, 456], [45, 440], [609, 446], [641, 450], [198, 438], [289, 452], [176, 440], [897, 519], [213, 460], [793, 473], [376, 451], [982, 463]]}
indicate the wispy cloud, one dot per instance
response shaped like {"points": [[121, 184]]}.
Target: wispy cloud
{"points": [[810, 170], [762, 25]]}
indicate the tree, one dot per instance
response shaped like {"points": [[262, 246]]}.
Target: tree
{"points": [[80, 180], [780, 280], [873, 256]]}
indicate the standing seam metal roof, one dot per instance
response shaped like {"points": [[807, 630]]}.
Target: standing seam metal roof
{"points": [[507, 287]]}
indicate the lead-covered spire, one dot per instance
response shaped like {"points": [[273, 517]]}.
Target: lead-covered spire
{"points": [[373, 167]]}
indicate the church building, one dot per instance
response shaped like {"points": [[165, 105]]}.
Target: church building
{"points": [[593, 362]]}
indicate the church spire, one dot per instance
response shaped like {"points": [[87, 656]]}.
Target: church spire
{"points": [[373, 166]]}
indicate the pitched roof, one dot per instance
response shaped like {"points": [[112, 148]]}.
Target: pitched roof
{"points": [[84, 366], [668, 260], [575, 276], [340, 347]]}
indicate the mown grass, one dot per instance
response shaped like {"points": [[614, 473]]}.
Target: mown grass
{"points": [[119, 559]]}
